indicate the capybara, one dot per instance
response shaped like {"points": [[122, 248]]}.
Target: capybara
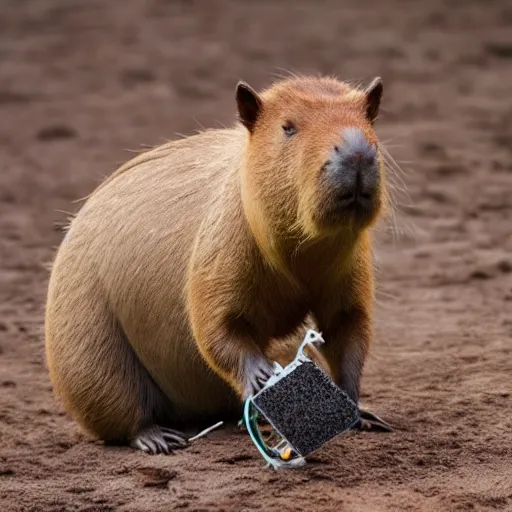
{"points": [[186, 267]]}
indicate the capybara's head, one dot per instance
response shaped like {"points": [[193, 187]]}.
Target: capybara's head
{"points": [[312, 162]]}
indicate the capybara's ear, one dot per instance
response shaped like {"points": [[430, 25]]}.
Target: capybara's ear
{"points": [[373, 96], [249, 105]]}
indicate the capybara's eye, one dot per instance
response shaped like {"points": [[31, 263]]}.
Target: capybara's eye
{"points": [[289, 128]]}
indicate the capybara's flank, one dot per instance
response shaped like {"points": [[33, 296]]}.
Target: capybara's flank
{"points": [[186, 268]]}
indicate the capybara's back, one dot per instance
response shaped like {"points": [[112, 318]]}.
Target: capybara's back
{"points": [[119, 276]]}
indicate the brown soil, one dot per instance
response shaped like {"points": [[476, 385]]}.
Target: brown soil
{"points": [[82, 81]]}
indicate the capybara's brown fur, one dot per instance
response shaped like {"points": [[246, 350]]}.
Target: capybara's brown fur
{"points": [[185, 268]]}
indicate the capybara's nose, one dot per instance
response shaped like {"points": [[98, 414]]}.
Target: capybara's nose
{"points": [[354, 169]]}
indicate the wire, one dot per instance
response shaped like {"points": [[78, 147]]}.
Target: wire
{"points": [[206, 431]]}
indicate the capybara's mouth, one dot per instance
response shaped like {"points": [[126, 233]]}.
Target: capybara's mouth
{"points": [[357, 201], [347, 208]]}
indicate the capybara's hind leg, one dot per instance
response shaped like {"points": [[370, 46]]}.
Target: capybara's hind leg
{"points": [[100, 380], [155, 439]]}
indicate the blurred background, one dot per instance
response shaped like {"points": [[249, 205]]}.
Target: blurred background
{"points": [[84, 83]]}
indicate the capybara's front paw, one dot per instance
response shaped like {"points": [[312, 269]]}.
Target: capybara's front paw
{"points": [[258, 369], [371, 422], [157, 439]]}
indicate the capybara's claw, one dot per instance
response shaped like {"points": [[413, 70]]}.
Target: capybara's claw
{"points": [[258, 370], [371, 422], [157, 439]]}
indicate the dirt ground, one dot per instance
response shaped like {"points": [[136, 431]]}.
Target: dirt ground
{"points": [[84, 81]]}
